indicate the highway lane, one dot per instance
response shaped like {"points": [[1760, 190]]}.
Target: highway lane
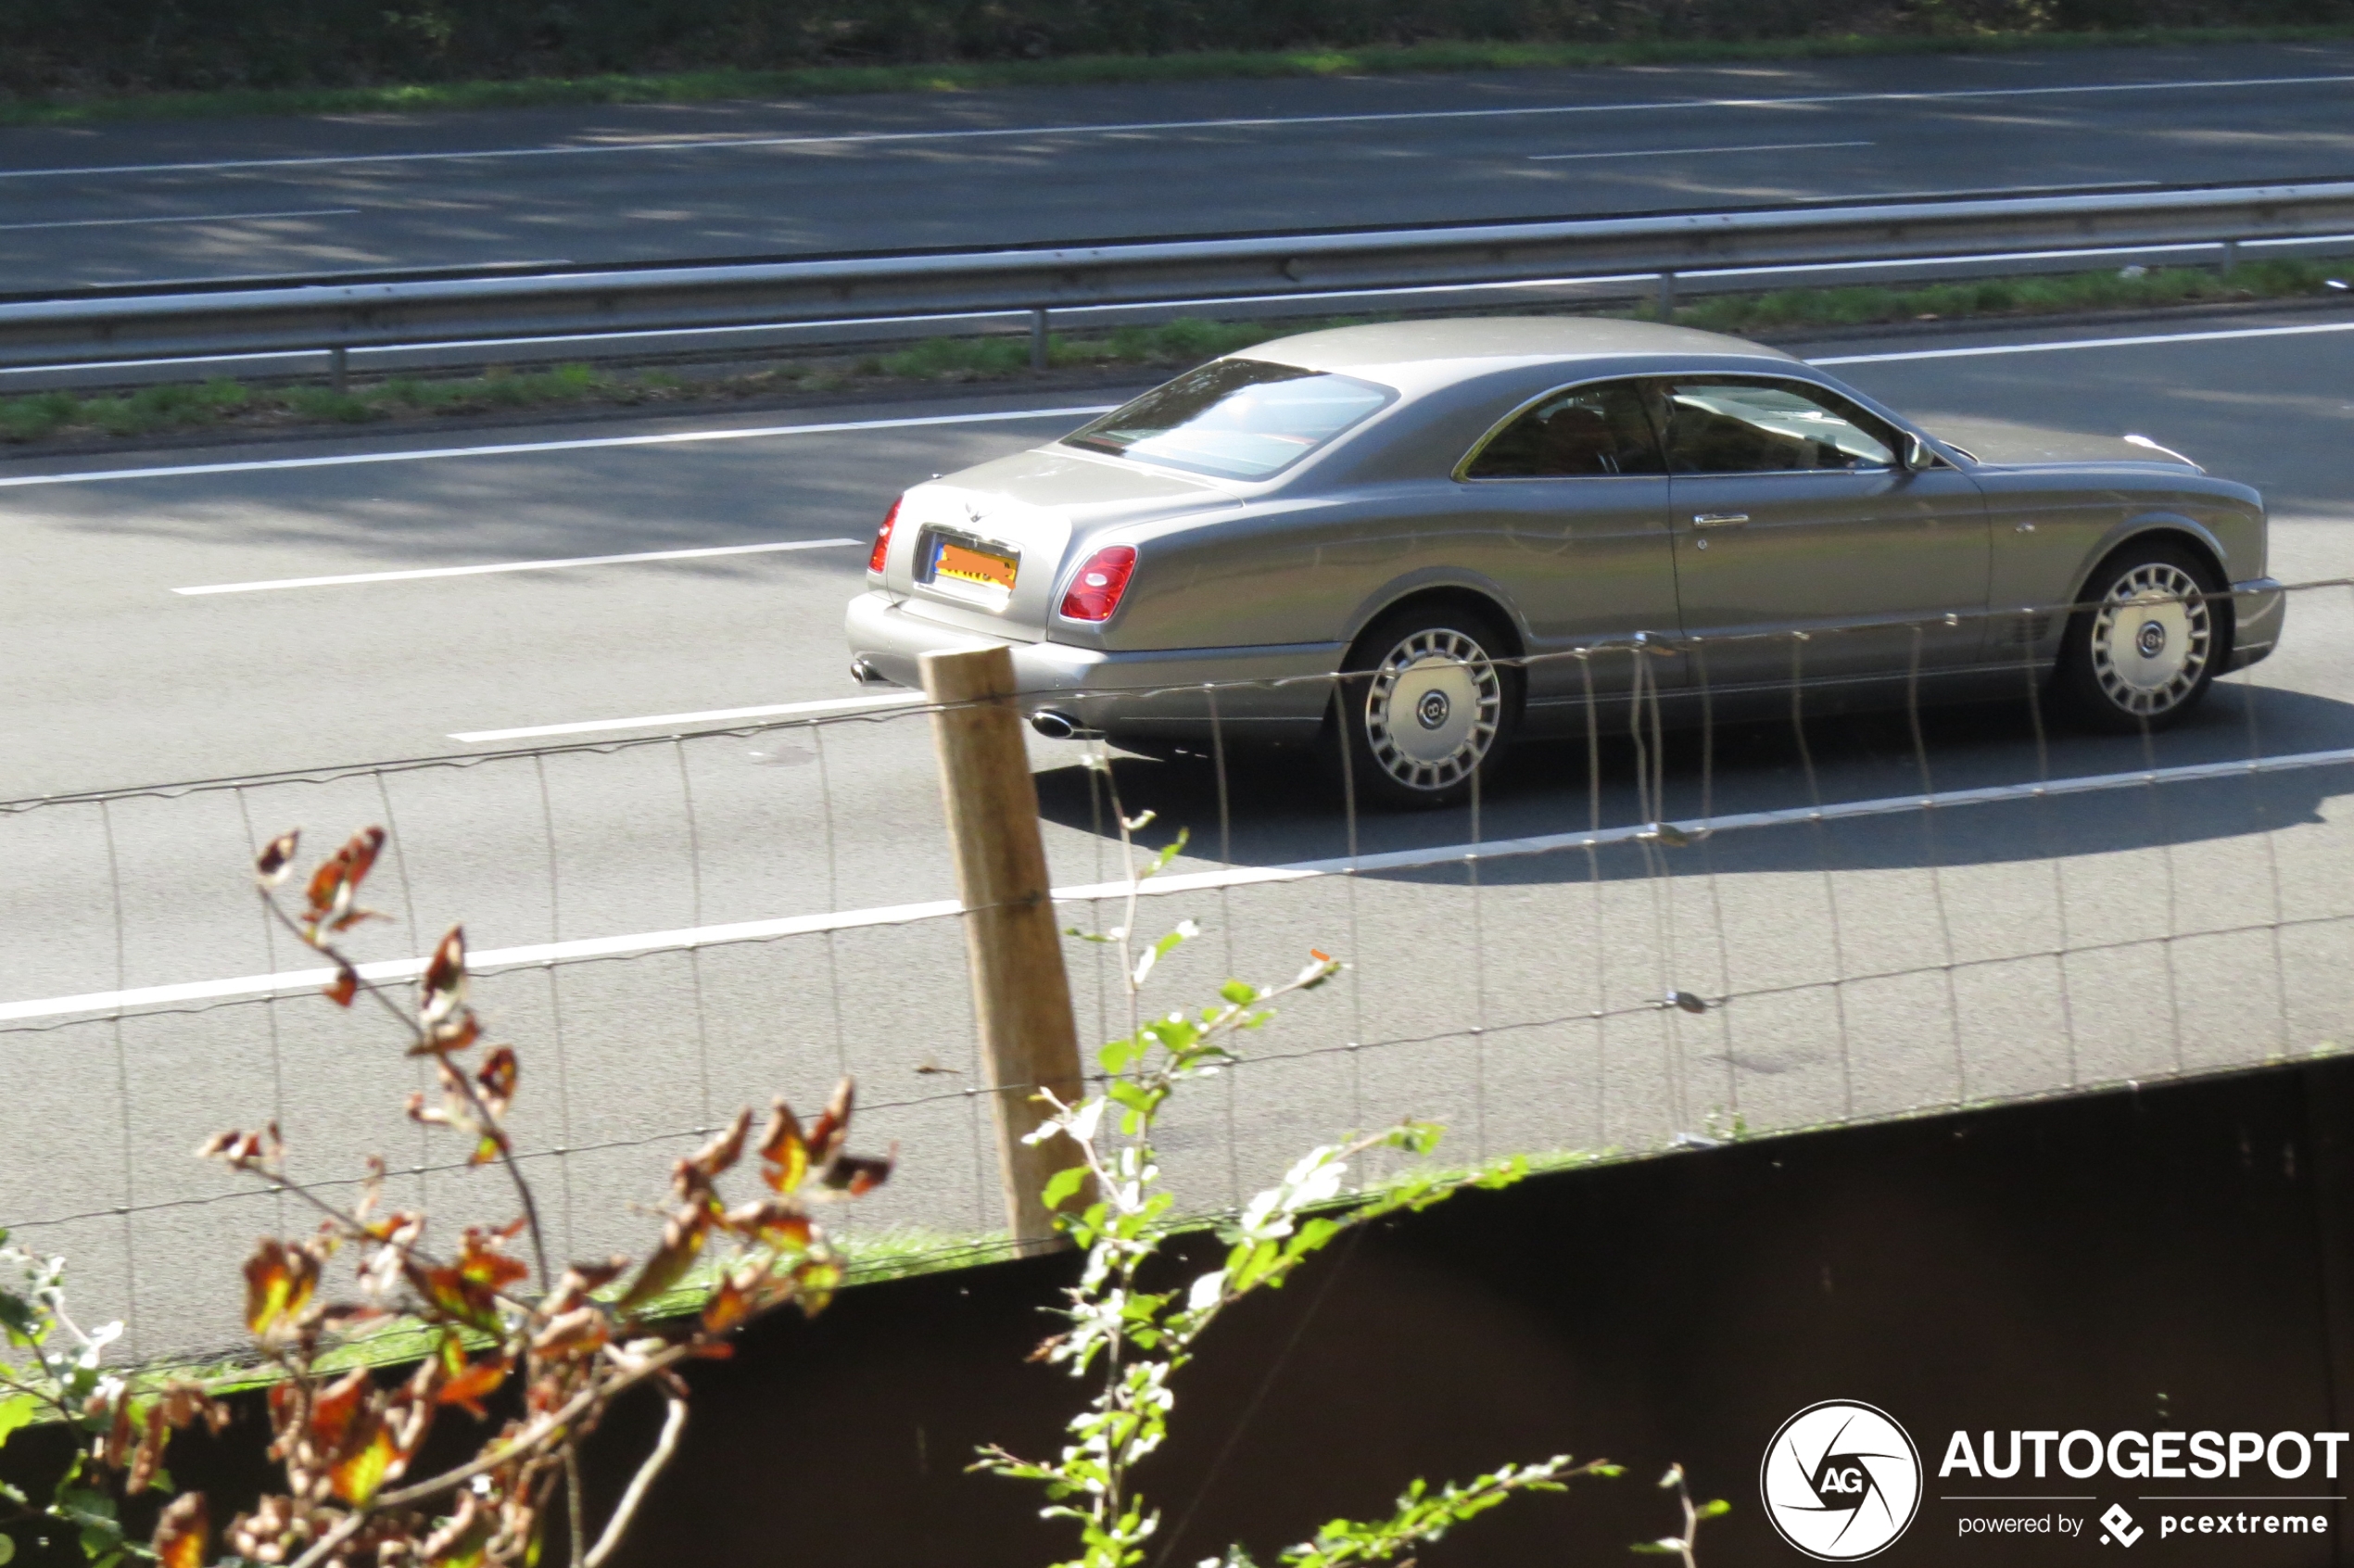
{"points": [[137, 203], [2204, 917]]}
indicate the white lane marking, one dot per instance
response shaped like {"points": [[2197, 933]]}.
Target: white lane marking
{"points": [[524, 448], [1197, 881], [1672, 152], [193, 218], [713, 715], [2217, 336], [857, 138], [515, 567]]}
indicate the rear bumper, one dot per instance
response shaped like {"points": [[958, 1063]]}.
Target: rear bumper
{"points": [[1269, 694], [2259, 608]]}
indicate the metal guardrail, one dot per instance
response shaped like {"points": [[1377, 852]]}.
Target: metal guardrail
{"points": [[327, 315]]}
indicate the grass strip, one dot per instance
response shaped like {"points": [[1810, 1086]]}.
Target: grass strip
{"points": [[68, 416], [700, 86]]}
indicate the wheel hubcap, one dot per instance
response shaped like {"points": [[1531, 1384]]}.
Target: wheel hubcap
{"points": [[1449, 687], [2151, 639]]}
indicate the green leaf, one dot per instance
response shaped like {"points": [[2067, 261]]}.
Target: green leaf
{"points": [[16, 1413], [1116, 1055], [1711, 1510], [1063, 1186], [1242, 993], [8, 1550]]}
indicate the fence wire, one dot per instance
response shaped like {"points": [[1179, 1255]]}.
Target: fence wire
{"points": [[1691, 912]]}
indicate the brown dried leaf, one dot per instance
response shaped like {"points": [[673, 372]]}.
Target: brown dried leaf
{"points": [[344, 987], [148, 1456], [449, 1034], [279, 1282], [182, 1533], [183, 1402], [860, 1174], [715, 1158], [496, 1080], [771, 1222], [682, 1239], [731, 1303], [469, 1386], [586, 1277], [784, 1153], [333, 1411], [366, 1464], [276, 858], [833, 1125], [334, 884], [442, 993]]}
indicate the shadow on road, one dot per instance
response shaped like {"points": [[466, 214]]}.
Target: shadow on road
{"points": [[1289, 806]]}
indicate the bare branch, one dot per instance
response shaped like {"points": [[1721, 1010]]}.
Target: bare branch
{"points": [[572, 1505], [666, 1445], [536, 1435], [418, 1034], [329, 1544]]}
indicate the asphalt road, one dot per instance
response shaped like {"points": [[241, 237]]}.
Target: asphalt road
{"points": [[137, 203], [1853, 968]]}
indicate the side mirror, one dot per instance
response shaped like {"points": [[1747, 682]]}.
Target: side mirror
{"points": [[1917, 455]]}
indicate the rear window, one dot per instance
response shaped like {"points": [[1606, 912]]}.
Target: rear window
{"points": [[1238, 419]]}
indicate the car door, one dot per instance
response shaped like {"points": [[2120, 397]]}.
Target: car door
{"points": [[1577, 481], [1793, 514]]}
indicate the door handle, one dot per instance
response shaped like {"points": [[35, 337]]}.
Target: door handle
{"points": [[1719, 519]]}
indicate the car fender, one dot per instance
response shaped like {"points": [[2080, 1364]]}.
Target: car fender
{"points": [[2141, 525], [1413, 584]]}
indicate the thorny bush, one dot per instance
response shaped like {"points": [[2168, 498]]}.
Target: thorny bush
{"points": [[558, 1346]]}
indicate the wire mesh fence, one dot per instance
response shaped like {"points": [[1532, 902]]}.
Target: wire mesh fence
{"points": [[1702, 907]]}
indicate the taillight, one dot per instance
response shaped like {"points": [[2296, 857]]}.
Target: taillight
{"points": [[1095, 592], [882, 539]]}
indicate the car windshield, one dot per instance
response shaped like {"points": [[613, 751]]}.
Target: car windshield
{"points": [[1240, 418]]}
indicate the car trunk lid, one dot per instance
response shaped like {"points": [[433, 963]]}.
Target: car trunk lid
{"points": [[987, 543]]}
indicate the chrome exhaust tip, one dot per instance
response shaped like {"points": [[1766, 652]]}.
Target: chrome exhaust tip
{"points": [[1055, 726], [864, 673]]}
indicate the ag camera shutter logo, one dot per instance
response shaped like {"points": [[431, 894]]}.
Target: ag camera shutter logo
{"points": [[1842, 1481]]}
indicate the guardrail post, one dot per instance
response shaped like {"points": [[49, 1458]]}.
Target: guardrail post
{"points": [[1022, 999], [1667, 296], [1038, 338], [2231, 257], [338, 367]]}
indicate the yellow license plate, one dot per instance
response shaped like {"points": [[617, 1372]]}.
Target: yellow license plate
{"points": [[967, 564]]}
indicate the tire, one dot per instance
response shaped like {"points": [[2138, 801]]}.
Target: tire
{"points": [[1425, 712], [2144, 651]]}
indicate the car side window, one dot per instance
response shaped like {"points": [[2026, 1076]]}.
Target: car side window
{"points": [[1733, 425], [1582, 430]]}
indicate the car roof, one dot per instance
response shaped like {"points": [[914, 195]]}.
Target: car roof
{"points": [[1412, 352]]}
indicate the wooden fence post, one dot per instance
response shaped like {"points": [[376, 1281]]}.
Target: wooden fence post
{"points": [[1022, 999]]}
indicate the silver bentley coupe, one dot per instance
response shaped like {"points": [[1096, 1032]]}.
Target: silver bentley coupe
{"points": [[1417, 541]]}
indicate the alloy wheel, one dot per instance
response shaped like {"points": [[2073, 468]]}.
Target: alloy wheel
{"points": [[2151, 639], [1432, 708]]}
